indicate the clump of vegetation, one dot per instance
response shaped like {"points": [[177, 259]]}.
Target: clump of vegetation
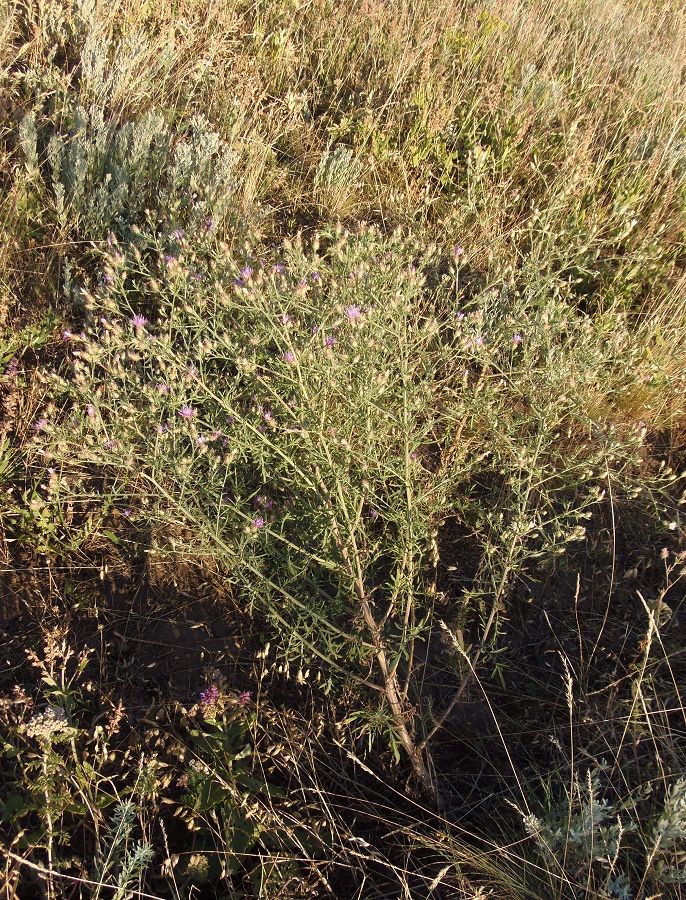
{"points": [[342, 559]]}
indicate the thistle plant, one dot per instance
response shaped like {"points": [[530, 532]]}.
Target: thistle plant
{"points": [[314, 421]]}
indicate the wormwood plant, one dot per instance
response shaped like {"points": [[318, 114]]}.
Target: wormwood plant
{"points": [[313, 420], [103, 175]]}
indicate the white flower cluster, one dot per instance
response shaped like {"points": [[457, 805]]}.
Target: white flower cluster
{"points": [[43, 725]]}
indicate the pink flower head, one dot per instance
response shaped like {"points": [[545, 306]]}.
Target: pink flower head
{"points": [[90, 411], [289, 356], [329, 341], [457, 252], [139, 321], [516, 339], [244, 697], [209, 699], [354, 313], [258, 522], [187, 412]]}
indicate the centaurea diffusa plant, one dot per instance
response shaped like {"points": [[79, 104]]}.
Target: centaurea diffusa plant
{"points": [[373, 442]]}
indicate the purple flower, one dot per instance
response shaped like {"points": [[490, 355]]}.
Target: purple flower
{"points": [[162, 388], [209, 223], [139, 321], [353, 313], [12, 367], [315, 276], [516, 339], [329, 341], [109, 444], [67, 335], [187, 412], [302, 284], [246, 273], [478, 341], [41, 424], [127, 513], [244, 697], [200, 440], [289, 356], [169, 259], [459, 316], [262, 501], [279, 269], [286, 319], [209, 698], [457, 252], [108, 277], [373, 514], [258, 522], [163, 428], [177, 235], [192, 371], [90, 411]]}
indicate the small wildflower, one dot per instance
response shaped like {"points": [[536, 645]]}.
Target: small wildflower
{"points": [[169, 259], [139, 321], [127, 513], [163, 428], [664, 553], [315, 276], [177, 235], [162, 388], [109, 444], [200, 440], [258, 522], [246, 273], [279, 269], [373, 514], [90, 411], [353, 313], [108, 277], [302, 284], [329, 341], [516, 339], [12, 367], [192, 371], [286, 319], [209, 699], [187, 412], [457, 252], [41, 424], [459, 316], [67, 335], [289, 356], [209, 224], [43, 725], [244, 697]]}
